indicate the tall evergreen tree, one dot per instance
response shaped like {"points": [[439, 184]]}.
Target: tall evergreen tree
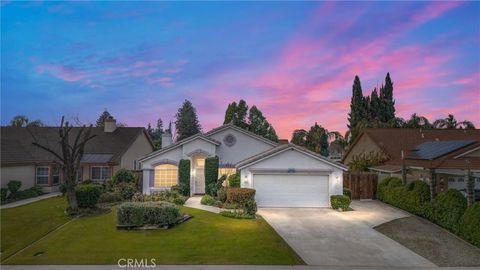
{"points": [[258, 124], [230, 113], [156, 134], [237, 114], [358, 108], [317, 140], [101, 119], [387, 111], [186, 122], [375, 106]]}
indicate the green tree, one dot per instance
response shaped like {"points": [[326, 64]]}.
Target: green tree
{"points": [[417, 121], [387, 108], [375, 106], [186, 122], [451, 122], [317, 140], [237, 114], [101, 119], [259, 125], [22, 121], [358, 109], [299, 137], [156, 134]]}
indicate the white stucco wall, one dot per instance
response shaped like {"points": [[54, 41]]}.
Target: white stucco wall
{"points": [[174, 154], [292, 159], [198, 144], [244, 147], [139, 148], [24, 174]]}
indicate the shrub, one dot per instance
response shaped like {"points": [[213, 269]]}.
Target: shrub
{"points": [[3, 192], [14, 186], [217, 186], [347, 192], [138, 197], [184, 176], [29, 193], [240, 195], [110, 197], [384, 184], [109, 185], [88, 195], [340, 202], [86, 182], [63, 188], [147, 213], [237, 214], [126, 190], [234, 180], [211, 175], [166, 196], [447, 209], [222, 194], [177, 188], [124, 175], [250, 207], [207, 200], [469, 227]]}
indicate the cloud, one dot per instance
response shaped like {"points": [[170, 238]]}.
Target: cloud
{"points": [[65, 73]]}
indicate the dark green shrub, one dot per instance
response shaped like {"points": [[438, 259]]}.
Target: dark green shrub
{"points": [[184, 176], [234, 180], [347, 192], [250, 207], [240, 195], [147, 213], [207, 200], [29, 193], [217, 186], [62, 188], [177, 188], [385, 183], [110, 197], [86, 182], [447, 209], [88, 195], [166, 196], [126, 190], [124, 175], [3, 192], [211, 175], [340, 202], [14, 186], [222, 194], [237, 214], [469, 227]]}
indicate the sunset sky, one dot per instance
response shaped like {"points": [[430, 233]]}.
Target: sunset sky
{"points": [[295, 60]]}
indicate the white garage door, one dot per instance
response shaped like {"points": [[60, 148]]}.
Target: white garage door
{"points": [[290, 190]]}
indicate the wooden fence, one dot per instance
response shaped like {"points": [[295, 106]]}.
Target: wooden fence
{"points": [[362, 185]]}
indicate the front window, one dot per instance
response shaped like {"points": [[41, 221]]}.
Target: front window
{"points": [[166, 175], [100, 173], [42, 175], [226, 171], [56, 175]]}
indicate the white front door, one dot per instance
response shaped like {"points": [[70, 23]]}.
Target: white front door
{"points": [[199, 181], [291, 190]]}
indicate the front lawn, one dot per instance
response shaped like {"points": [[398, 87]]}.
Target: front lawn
{"points": [[23, 225], [207, 238]]}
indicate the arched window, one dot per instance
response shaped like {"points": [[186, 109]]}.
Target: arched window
{"points": [[166, 175]]}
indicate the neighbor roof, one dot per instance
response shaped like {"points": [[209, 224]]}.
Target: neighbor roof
{"points": [[17, 147], [435, 149]]}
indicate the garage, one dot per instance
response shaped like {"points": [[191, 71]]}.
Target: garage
{"points": [[291, 176], [291, 190]]}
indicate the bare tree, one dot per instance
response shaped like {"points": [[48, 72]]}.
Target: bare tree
{"points": [[69, 156]]}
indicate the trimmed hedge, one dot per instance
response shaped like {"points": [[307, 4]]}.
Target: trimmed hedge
{"points": [[211, 175], [384, 184], [340, 202], [240, 195], [447, 208], [470, 224], [147, 213], [124, 175], [184, 176], [234, 180], [88, 195], [413, 198]]}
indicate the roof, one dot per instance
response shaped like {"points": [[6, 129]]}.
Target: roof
{"points": [[393, 140], [387, 168], [239, 129], [435, 149], [17, 147], [281, 148]]}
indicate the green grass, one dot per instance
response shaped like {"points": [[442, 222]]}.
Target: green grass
{"points": [[207, 238], [23, 225]]}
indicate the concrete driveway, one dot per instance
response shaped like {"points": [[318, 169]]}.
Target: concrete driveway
{"points": [[323, 236]]}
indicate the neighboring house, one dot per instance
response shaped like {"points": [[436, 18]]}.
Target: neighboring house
{"points": [[447, 153], [112, 148], [284, 175]]}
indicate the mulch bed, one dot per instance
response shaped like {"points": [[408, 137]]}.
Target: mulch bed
{"points": [[431, 242]]}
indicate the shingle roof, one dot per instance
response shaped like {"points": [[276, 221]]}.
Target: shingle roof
{"points": [[17, 147]]}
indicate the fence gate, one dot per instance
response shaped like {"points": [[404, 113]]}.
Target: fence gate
{"points": [[362, 185]]}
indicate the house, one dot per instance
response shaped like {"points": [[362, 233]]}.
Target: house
{"points": [[283, 175], [449, 154], [112, 148]]}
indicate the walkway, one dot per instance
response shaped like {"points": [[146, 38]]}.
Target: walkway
{"points": [[30, 200], [194, 202]]}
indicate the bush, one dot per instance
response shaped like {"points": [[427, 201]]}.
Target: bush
{"points": [[177, 188], [340, 202], [208, 200], [126, 190], [250, 207], [88, 195], [166, 196], [211, 175], [86, 182], [29, 193], [147, 213], [240, 195], [14, 186], [237, 214], [447, 209], [222, 194], [110, 197], [384, 184], [347, 192], [124, 176], [470, 224], [138, 197], [234, 180], [63, 188], [184, 176], [3, 192], [217, 186]]}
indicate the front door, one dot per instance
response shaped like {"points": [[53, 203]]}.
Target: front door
{"points": [[199, 181]]}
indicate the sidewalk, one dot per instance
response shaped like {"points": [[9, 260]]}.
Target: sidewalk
{"points": [[194, 202], [30, 200]]}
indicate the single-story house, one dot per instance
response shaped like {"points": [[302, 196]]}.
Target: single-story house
{"points": [[447, 153], [112, 148], [283, 175]]}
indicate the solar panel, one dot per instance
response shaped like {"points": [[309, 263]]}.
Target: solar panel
{"points": [[435, 149]]}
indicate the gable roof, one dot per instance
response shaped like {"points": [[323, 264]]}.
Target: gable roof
{"points": [[239, 129], [17, 147], [284, 147], [179, 143]]}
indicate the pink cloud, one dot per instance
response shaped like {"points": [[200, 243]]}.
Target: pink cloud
{"points": [[161, 81], [65, 73]]}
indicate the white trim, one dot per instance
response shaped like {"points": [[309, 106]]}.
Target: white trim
{"points": [[291, 172], [467, 152], [239, 129], [36, 175]]}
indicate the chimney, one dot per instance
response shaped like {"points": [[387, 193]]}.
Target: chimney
{"points": [[110, 124], [166, 139]]}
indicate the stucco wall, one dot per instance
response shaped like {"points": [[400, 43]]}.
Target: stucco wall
{"points": [[244, 147], [25, 174], [140, 147], [173, 154], [365, 145], [198, 144]]}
